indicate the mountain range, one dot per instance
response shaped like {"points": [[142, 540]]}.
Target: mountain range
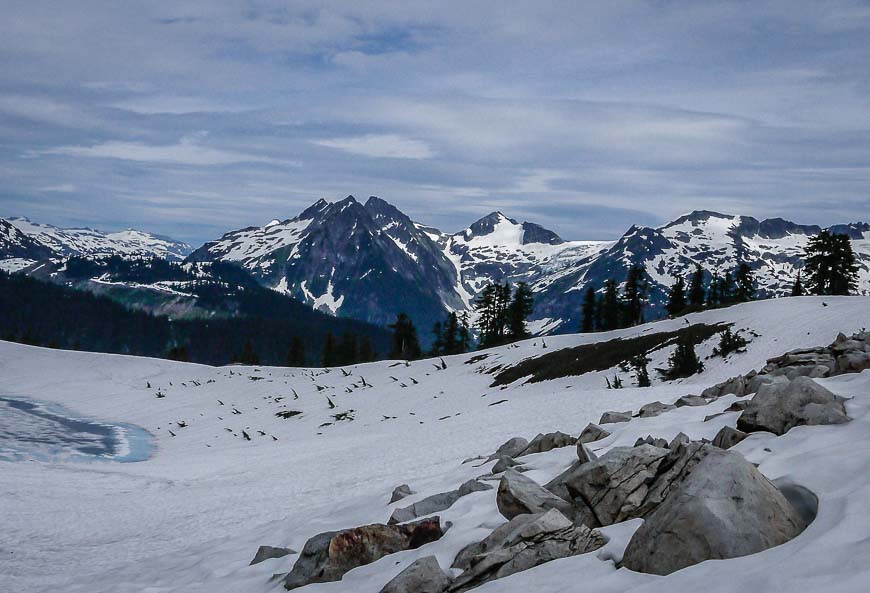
{"points": [[369, 260]]}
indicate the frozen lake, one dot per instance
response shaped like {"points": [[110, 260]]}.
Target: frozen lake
{"points": [[32, 430]]}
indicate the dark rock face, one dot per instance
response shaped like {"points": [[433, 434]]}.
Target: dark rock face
{"points": [[268, 552], [423, 576], [328, 556], [722, 508], [779, 407], [523, 543]]}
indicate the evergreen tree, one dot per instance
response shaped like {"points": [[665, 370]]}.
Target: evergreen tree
{"points": [[588, 310], [249, 356], [464, 334], [728, 288], [406, 345], [634, 296], [296, 353], [677, 297], [450, 336], [438, 343], [610, 306], [179, 353], [493, 305], [330, 351], [714, 291], [366, 352], [641, 373], [683, 361], [696, 287], [831, 265], [797, 288], [729, 342], [745, 280], [347, 349], [520, 308]]}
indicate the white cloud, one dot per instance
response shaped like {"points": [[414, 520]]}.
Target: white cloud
{"points": [[380, 145], [188, 151], [65, 188], [174, 106]]}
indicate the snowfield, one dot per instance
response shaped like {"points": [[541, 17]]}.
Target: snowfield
{"points": [[190, 518]]}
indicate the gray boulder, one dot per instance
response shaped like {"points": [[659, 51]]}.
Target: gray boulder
{"points": [[400, 492], [681, 439], [523, 543], [853, 362], [326, 557], [649, 440], [518, 495], [727, 437], [614, 417], [778, 407], [504, 463], [593, 433], [510, 448], [654, 409], [584, 455], [547, 442], [691, 400], [268, 552], [436, 502], [723, 508], [423, 576]]}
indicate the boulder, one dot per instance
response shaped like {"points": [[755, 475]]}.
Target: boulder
{"points": [[504, 463], [518, 495], [727, 437], [510, 448], [649, 440], [268, 552], [326, 557], [853, 362], [681, 439], [523, 543], [737, 406], [400, 492], [547, 442], [691, 400], [436, 502], [654, 409], [779, 407], [593, 433], [723, 508], [614, 417], [423, 576], [738, 386], [584, 455]]}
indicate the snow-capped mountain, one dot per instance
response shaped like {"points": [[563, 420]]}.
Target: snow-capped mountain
{"points": [[371, 261], [87, 242], [18, 250]]}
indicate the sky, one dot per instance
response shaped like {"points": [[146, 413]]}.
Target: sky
{"points": [[192, 118]]}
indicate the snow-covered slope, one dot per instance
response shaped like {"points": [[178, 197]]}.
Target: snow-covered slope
{"points": [[190, 518], [86, 242], [18, 250]]}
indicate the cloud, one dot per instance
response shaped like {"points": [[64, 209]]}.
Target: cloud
{"points": [[160, 105], [65, 188], [380, 145], [188, 151]]}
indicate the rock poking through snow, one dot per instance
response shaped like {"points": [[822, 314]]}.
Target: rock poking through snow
{"points": [[436, 502], [423, 576], [722, 508], [779, 407], [547, 442], [519, 495], [268, 552], [400, 492], [727, 437], [654, 409], [592, 433], [615, 417], [328, 556], [523, 543], [510, 448]]}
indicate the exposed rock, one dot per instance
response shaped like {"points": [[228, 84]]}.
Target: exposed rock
{"points": [[654, 409], [510, 448], [268, 552], [593, 433], [436, 502], [681, 439], [727, 437], [547, 442], [328, 556], [853, 362], [518, 495], [423, 576], [614, 417], [737, 406], [523, 543], [504, 463], [649, 440], [779, 407], [400, 492], [738, 386], [691, 400], [722, 508], [584, 455]]}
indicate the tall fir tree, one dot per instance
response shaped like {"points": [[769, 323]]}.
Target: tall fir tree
{"points": [[588, 310], [683, 361], [696, 287], [727, 289], [634, 296], [677, 297], [438, 340], [348, 351], [797, 288], [249, 355], [714, 291], [464, 334], [366, 352], [610, 306], [745, 283], [830, 264], [406, 344], [520, 308], [450, 335], [296, 353], [329, 358]]}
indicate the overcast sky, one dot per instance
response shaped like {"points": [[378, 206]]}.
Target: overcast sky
{"points": [[193, 118]]}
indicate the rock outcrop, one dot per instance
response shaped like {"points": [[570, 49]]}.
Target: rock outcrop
{"points": [[519, 495], [436, 502], [547, 442], [400, 492], [423, 576], [593, 433], [615, 417], [779, 407]]}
